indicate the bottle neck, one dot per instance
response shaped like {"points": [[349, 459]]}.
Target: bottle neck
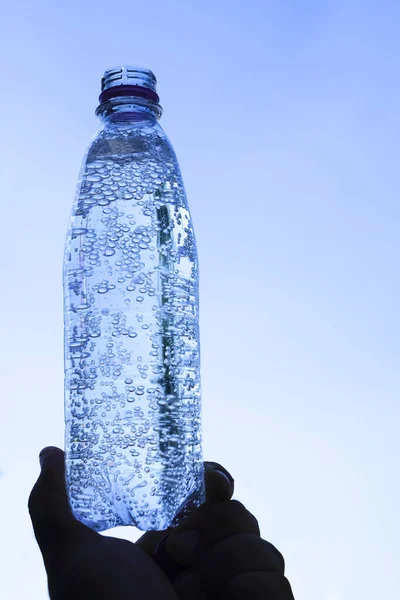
{"points": [[128, 103], [128, 94]]}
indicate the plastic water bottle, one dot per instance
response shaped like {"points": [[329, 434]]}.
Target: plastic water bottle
{"points": [[132, 364]]}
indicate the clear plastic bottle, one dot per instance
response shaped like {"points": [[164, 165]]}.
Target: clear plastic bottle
{"points": [[132, 355]]}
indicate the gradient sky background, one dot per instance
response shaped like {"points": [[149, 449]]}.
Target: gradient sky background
{"points": [[285, 118]]}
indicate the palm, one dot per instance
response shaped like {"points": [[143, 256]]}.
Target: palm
{"points": [[111, 568]]}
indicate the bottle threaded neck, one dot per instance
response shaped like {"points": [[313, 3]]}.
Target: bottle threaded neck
{"points": [[127, 85], [129, 76]]}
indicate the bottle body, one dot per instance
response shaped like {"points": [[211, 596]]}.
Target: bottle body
{"points": [[132, 356]]}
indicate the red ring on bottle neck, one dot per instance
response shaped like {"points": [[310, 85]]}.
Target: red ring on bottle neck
{"points": [[129, 90]]}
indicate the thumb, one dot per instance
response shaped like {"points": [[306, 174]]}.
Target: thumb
{"points": [[51, 515]]}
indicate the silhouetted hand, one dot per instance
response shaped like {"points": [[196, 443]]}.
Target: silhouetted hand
{"points": [[217, 553]]}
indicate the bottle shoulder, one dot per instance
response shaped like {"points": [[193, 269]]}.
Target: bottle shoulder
{"points": [[129, 164], [142, 139], [139, 148]]}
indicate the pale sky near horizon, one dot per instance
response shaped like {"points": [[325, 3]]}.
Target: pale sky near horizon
{"points": [[285, 119]]}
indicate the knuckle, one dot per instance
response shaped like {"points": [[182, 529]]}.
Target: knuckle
{"points": [[277, 554], [34, 498], [241, 512], [260, 584]]}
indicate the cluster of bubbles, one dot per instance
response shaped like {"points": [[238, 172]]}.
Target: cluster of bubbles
{"points": [[132, 345], [106, 181]]}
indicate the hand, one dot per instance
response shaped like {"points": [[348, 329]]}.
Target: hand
{"points": [[216, 553]]}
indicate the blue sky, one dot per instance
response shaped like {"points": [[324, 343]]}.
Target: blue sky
{"points": [[285, 119]]}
